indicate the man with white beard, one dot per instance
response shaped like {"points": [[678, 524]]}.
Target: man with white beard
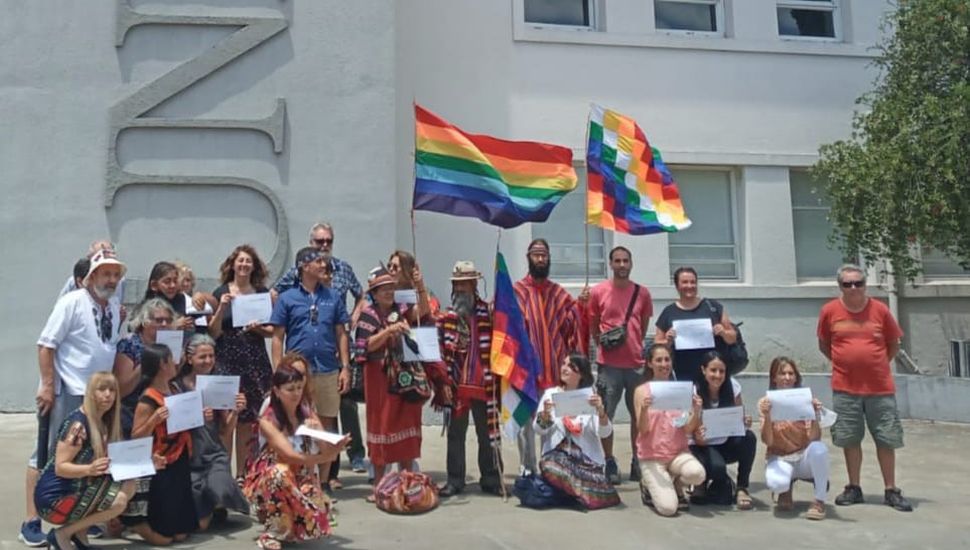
{"points": [[465, 330], [78, 340]]}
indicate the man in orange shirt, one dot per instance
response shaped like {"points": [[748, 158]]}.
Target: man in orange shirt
{"points": [[860, 337]]}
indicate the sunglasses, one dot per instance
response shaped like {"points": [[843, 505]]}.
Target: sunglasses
{"points": [[314, 314], [853, 284], [321, 242]]}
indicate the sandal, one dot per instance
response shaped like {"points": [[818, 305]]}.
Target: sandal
{"points": [[743, 499], [267, 542], [785, 503], [816, 511], [336, 484], [371, 499]]}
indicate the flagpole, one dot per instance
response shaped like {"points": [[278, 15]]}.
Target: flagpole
{"points": [[414, 184], [497, 395], [586, 220]]}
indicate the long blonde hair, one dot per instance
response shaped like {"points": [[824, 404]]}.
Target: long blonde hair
{"points": [[100, 425]]}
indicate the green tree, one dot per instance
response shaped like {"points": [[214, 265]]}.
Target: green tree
{"points": [[903, 178]]}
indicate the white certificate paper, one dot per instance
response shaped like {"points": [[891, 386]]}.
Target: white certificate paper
{"points": [[573, 403], [672, 396], [247, 308], [428, 348], [320, 435], [184, 411], [218, 392], [791, 405], [174, 339], [406, 296], [693, 334], [726, 422], [131, 459]]}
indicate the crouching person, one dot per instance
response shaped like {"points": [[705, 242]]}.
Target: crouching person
{"points": [[75, 489]]}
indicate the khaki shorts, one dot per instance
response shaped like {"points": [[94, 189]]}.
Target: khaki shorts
{"points": [[878, 412], [326, 394]]}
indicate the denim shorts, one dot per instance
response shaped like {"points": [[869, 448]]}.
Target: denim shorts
{"points": [[878, 412]]}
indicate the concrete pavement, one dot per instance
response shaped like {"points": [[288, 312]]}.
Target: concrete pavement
{"points": [[932, 470]]}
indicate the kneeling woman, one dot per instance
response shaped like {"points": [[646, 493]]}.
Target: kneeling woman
{"points": [[795, 450], [666, 464], [282, 482], [572, 454], [718, 390], [75, 489]]}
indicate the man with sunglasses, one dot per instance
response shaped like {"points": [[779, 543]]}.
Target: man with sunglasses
{"points": [[860, 337], [343, 279], [311, 320], [78, 340]]}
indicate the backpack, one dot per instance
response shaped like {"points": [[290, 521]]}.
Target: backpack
{"points": [[406, 493], [735, 355], [534, 492]]}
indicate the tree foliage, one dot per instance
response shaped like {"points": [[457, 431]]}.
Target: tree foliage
{"points": [[903, 178]]}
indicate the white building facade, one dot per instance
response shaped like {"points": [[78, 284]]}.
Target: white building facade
{"points": [[180, 129]]}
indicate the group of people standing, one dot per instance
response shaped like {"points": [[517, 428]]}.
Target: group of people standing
{"points": [[100, 383]]}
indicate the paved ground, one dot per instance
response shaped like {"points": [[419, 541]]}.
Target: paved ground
{"points": [[933, 471]]}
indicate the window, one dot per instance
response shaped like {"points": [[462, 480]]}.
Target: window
{"points": [[815, 256], [565, 230], [807, 18], [710, 244], [687, 15], [937, 265], [572, 13]]}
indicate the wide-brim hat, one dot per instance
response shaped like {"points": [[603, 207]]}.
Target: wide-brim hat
{"points": [[378, 277], [464, 270], [103, 258]]}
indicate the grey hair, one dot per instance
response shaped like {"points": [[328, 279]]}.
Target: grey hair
{"points": [[321, 225], [143, 314], [198, 340], [847, 268]]}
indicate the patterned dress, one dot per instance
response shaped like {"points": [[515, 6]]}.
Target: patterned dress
{"points": [[287, 497], [243, 354], [62, 501]]}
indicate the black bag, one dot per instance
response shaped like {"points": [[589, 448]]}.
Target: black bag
{"points": [[534, 492], [615, 337], [735, 355]]}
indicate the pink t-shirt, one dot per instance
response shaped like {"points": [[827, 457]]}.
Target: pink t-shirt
{"points": [[664, 441], [609, 304]]}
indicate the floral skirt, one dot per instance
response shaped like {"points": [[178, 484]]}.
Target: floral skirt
{"points": [[287, 499], [569, 470]]}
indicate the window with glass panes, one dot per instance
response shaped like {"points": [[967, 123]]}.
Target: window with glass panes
{"points": [[710, 244]]}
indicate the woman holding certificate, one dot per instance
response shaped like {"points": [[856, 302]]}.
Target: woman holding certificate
{"points": [[213, 487], [282, 483], [241, 350], [572, 454], [171, 508], [666, 464], [75, 489], [722, 393], [795, 450]]}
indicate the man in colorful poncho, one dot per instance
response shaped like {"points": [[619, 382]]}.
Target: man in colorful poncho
{"points": [[552, 322]]}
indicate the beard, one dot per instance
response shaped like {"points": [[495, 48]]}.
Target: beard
{"points": [[463, 303], [103, 292], [538, 271]]}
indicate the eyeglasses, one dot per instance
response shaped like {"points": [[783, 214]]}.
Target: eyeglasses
{"points": [[314, 314], [104, 322], [321, 242], [853, 284]]}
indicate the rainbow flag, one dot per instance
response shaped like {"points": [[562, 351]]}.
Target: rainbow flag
{"points": [[513, 358], [503, 183], [630, 188]]}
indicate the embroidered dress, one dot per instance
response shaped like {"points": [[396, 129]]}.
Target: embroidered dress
{"points": [[287, 497], [393, 424], [574, 473], [62, 501]]}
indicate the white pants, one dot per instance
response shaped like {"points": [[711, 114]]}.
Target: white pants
{"points": [[659, 478], [813, 465]]}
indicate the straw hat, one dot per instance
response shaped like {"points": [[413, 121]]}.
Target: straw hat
{"points": [[464, 270]]}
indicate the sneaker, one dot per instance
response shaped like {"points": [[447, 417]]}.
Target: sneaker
{"points": [[32, 533], [816, 512], [95, 532], [612, 471], [852, 494], [895, 498], [357, 465], [634, 470]]}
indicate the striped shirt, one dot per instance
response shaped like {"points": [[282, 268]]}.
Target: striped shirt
{"points": [[552, 322]]}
